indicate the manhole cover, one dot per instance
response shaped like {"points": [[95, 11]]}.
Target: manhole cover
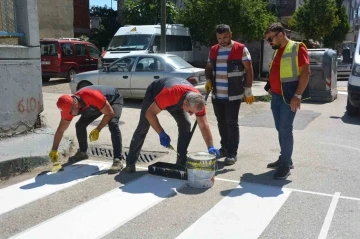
{"points": [[144, 157]]}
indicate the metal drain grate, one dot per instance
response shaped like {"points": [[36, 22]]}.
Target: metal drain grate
{"points": [[144, 157]]}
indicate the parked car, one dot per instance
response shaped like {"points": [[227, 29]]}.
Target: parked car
{"points": [[64, 57], [132, 74]]}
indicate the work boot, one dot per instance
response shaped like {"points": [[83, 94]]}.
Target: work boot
{"points": [[277, 163], [130, 168], [282, 172], [78, 156], [223, 152], [230, 160], [116, 166]]}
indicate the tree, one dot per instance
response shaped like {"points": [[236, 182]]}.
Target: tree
{"points": [[147, 12], [315, 18], [247, 19], [338, 34], [107, 27]]}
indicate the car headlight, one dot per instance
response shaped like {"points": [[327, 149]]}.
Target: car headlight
{"points": [[356, 70]]}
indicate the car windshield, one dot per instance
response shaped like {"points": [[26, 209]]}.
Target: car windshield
{"points": [[178, 63], [48, 48], [129, 42]]}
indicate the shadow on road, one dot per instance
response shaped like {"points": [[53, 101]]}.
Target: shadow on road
{"points": [[55, 82], [355, 120]]}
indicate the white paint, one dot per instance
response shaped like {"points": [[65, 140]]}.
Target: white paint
{"points": [[25, 192], [102, 215], [244, 213], [329, 216], [342, 93]]}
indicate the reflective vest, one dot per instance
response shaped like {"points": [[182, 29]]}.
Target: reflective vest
{"points": [[290, 71], [235, 70]]}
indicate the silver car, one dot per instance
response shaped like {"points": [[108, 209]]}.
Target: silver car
{"points": [[132, 74]]}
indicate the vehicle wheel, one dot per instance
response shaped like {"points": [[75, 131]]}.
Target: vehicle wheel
{"points": [[71, 74], [83, 84], [45, 79], [351, 110]]}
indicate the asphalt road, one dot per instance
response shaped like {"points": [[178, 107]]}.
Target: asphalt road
{"points": [[321, 199]]}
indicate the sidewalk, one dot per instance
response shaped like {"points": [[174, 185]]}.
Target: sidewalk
{"points": [[24, 152]]}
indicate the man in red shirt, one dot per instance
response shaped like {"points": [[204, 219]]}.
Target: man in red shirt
{"points": [[90, 102], [179, 98], [288, 86]]}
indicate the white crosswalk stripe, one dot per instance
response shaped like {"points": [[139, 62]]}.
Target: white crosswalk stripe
{"points": [[247, 211]]}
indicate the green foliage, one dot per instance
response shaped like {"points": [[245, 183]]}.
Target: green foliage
{"points": [[107, 28], [247, 19], [338, 34], [147, 12], [315, 18]]}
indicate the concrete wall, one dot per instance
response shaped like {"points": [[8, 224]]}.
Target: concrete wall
{"points": [[56, 18], [20, 92]]}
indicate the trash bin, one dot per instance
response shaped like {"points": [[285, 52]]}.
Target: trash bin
{"points": [[323, 78]]}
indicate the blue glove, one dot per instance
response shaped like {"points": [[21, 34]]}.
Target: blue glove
{"points": [[214, 151], [164, 139]]}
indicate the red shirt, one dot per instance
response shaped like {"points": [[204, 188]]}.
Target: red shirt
{"points": [[274, 77], [91, 98], [171, 96]]}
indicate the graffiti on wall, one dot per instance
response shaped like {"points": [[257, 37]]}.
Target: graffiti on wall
{"points": [[28, 105]]}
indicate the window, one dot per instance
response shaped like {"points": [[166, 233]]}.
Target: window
{"points": [[80, 49], [67, 49], [94, 53], [129, 42], [178, 63], [149, 64], [48, 49], [175, 43], [123, 65]]}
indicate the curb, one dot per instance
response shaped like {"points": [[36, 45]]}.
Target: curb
{"points": [[17, 166]]}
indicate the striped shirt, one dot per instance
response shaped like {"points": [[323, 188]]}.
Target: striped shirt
{"points": [[221, 79]]}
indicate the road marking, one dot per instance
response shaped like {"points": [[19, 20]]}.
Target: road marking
{"points": [[292, 189], [329, 216], [246, 211], [101, 215], [25, 192], [342, 92]]}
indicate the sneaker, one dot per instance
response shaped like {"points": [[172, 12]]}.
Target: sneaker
{"points": [[78, 156], [230, 160], [116, 166], [282, 172], [130, 168], [277, 163], [223, 152]]}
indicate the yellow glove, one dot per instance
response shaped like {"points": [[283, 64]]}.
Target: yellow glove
{"points": [[94, 135], [249, 98], [208, 85], [54, 157]]}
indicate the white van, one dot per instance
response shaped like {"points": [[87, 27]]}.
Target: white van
{"points": [[146, 39], [353, 100]]}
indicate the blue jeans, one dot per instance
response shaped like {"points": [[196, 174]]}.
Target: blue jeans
{"points": [[284, 119]]}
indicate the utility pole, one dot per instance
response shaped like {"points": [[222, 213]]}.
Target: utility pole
{"points": [[163, 27]]}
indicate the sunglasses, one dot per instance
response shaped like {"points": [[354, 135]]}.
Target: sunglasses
{"points": [[270, 39]]}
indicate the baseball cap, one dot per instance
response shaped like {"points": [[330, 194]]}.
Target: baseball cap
{"points": [[64, 103]]}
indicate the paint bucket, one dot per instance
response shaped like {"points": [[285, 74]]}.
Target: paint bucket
{"points": [[201, 169]]}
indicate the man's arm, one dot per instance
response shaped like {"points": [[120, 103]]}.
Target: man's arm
{"points": [[108, 112], [205, 130], [208, 71], [249, 73], [303, 79], [63, 125], [150, 114]]}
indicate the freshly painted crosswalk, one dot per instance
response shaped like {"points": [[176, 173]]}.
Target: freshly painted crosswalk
{"points": [[33, 189], [245, 212]]}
